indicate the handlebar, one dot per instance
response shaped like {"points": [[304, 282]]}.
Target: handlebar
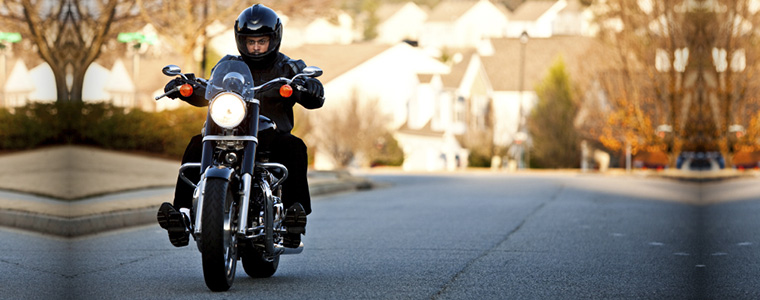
{"points": [[172, 70]]}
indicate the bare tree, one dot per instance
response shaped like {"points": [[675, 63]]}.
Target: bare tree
{"points": [[67, 34], [182, 23], [351, 133]]}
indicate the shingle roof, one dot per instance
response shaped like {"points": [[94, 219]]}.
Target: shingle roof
{"points": [[450, 10], [335, 59], [387, 10], [531, 10], [454, 78], [503, 67]]}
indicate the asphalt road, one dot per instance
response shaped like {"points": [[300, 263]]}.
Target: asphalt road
{"points": [[462, 236]]}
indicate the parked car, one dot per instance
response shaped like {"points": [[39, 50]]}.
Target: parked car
{"points": [[700, 160]]}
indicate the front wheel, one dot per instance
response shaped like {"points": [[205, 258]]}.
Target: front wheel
{"points": [[218, 244]]}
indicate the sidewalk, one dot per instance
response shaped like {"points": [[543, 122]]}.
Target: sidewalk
{"points": [[71, 191]]}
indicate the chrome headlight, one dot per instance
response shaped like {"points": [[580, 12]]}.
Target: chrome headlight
{"points": [[227, 110]]}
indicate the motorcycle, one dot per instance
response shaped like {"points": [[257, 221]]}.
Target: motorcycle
{"points": [[237, 211]]}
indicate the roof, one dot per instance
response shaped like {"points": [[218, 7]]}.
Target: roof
{"points": [[387, 10], [426, 130], [336, 59], [503, 67], [450, 10], [574, 6], [454, 78], [531, 10], [425, 78]]}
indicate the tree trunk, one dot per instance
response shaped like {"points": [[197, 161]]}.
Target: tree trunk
{"points": [[77, 86]]}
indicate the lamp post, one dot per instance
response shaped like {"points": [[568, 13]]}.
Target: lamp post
{"points": [[138, 39], [520, 121]]}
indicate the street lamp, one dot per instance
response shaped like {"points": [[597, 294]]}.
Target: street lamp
{"points": [[520, 121], [138, 39]]}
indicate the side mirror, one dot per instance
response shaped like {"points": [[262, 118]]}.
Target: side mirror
{"points": [[312, 71], [171, 70]]}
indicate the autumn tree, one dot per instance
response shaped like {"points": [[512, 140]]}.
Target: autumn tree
{"points": [[728, 37], [556, 143], [678, 65]]}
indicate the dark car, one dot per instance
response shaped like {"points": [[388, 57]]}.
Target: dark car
{"points": [[700, 160]]}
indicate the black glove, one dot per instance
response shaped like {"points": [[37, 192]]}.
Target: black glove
{"points": [[174, 83], [310, 86]]}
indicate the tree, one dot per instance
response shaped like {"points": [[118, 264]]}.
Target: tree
{"points": [[67, 34], [182, 23], [688, 64], [356, 133], [556, 143]]}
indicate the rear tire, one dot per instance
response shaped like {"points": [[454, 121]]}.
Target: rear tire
{"points": [[218, 239], [256, 266]]}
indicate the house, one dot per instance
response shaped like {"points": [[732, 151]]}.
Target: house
{"points": [[120, 86], [537, 18], [574, 19], [460, 24], [19, 87], [402, 79], [399, 22], [336, 29], [511, 101]]}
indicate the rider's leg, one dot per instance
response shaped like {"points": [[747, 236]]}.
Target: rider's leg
{"points": [[169, 217], [291, 152], [183, 192]]}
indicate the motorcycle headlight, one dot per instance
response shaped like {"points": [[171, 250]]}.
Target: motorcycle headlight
{"points": [[227, 110]]}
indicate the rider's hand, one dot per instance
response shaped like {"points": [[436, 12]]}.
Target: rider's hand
{"points": [[310, 86], [172, 85]]}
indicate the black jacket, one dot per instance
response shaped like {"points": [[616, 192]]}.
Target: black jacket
{"points": [[277, 108]]}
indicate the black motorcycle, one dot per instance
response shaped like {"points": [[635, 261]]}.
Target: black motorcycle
{"points": [[237, 212]]}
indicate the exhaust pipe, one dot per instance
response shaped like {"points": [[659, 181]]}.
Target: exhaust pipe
{"points": [[285, 251]]}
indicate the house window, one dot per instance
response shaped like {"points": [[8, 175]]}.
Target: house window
{"points": [[459, 110]]}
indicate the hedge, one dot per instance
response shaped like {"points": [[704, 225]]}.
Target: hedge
{"points": [[101, 125]]}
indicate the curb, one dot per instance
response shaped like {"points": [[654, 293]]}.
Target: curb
{"points": [[129, 217]]}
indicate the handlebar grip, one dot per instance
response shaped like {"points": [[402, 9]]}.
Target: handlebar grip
{"points": [[176, 88]]}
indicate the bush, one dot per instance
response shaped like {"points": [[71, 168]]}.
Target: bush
{"points": [[102, 125]]}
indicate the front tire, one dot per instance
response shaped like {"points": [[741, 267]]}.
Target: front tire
{"points": [[218, 239]]}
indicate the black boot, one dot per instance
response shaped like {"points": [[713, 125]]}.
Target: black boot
{"points": [[295, 224], [175, 223]]}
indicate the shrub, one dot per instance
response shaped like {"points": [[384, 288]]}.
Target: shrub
{"points": [[99, 124]]}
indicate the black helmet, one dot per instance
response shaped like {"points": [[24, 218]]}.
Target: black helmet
{"points": [[258, 20]]}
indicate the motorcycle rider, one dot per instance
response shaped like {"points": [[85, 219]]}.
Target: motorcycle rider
{"points": [[258, 34]]}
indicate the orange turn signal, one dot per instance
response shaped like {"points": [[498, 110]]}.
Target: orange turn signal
{"points": [[186, 90], [286, 91]]}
